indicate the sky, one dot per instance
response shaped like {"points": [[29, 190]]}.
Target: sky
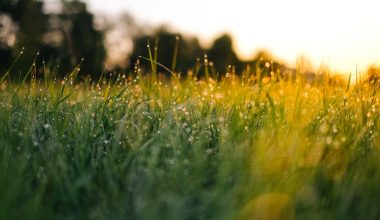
{"points": [[341, 34]]}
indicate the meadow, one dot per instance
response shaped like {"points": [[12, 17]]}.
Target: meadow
{"points": [[140, 146]]}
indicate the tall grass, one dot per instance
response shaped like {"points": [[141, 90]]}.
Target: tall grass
{"points": [[136, 147]]}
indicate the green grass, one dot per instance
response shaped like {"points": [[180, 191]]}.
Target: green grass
{"points": [[135, 147]]}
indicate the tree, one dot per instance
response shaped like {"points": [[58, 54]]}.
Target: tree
{"points": [[7, 38], [184, 59], [222, 55], [81, 38], [263, 64], [68, 36], [28, 18]]}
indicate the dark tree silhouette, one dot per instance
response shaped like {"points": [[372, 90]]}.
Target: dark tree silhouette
{"points": [[6, 29], [81, 38], [165, 42], [64, 38], [222, 55], [31, 24]]}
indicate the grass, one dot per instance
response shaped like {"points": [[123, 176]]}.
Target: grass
{"points": [[139, 147]]}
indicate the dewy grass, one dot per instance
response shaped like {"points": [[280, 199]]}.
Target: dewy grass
{"points": [[127, 147]]}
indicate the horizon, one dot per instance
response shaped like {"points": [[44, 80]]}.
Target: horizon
{"points": [[341, 37]]}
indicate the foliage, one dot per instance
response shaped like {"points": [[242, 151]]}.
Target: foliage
{"points": [[68, 36], [81, 38], [163, 44], [64, 37], [31, 24], [189, 56], [222, 55], [135, 147]]}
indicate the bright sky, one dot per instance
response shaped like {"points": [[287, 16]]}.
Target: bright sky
{"points": [[343, 34]]}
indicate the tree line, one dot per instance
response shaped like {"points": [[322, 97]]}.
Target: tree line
{"points": [[62, 37], [65, 36]]}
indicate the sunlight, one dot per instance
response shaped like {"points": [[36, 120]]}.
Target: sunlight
{"points": [[339, 34]]}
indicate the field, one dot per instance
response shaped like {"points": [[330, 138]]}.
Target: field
{"points": [[140, 147]]}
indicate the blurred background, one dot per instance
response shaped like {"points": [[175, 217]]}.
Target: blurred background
{"points": [[110, 35]]}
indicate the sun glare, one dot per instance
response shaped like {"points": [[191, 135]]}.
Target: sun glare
{"points": [[343, 35]]}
